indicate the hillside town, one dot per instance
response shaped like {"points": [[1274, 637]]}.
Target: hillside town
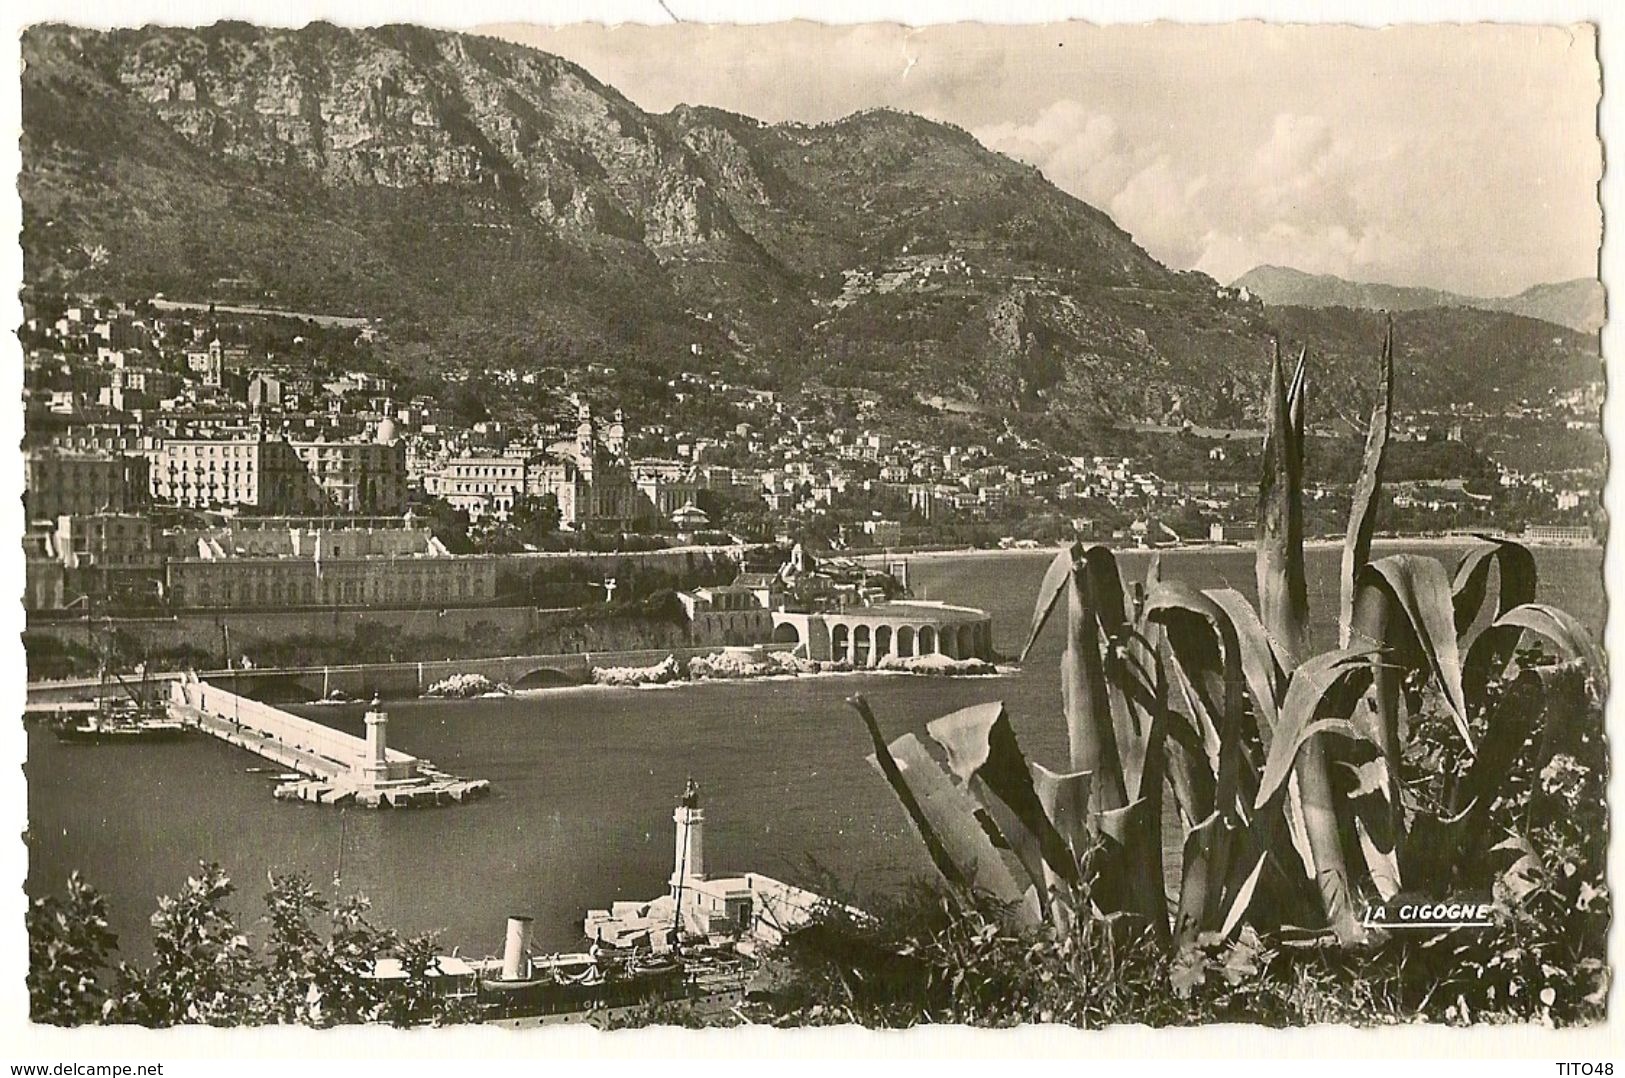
{"points": [[186, 458]]}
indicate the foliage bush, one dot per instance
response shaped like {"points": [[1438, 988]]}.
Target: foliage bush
{"points": [[205, 970]]}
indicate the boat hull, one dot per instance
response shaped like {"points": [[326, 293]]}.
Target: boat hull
{"points": [[120, 734]]}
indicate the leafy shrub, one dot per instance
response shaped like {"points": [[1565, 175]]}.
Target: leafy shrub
{"points": [[203, 968]]}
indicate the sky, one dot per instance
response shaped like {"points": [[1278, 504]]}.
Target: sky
{"points": [[1455, 157]]}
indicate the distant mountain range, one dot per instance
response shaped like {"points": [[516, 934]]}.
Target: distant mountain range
{"points": [[498, 206], [1577, 304]]}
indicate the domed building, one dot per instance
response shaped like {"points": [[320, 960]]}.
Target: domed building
{"points": [[589, 476], [690, 518]]}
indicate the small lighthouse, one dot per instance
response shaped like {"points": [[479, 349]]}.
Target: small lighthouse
{"points": [[689, 855], [375, 764]]}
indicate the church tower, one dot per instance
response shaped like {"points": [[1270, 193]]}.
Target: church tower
{"points": [[586, 442]]}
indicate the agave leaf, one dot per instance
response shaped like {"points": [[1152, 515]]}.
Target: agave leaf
{"points": [[1190, 777], [1085, 696], [983, 753], [1382, 859], [1195, 873], [1109, 596], [1283, 596], [1419, 588], [1136, 697], [1279, 764], [1296, 395], [1314, 824], [1379, 713], [1121, 825], [1153, 577], [1310, 685], [1204, 648], [1367, 488], [1240, 896], [1262, 663], [1221, 873], [1490, 652], [952, 815], [1219, 658], [1378, 822], [1297, 825], [1065, 799], [1049, 594], [1283, 607], [940, 857], [1194, 657], [1470, 585], [1125, 663], [1150, 894], [1561, 629], [1132, 717]]}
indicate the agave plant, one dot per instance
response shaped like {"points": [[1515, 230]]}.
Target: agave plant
{"points": [[1192, 713]]}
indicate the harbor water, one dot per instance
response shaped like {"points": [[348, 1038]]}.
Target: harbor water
{"points": [[584, 780]]}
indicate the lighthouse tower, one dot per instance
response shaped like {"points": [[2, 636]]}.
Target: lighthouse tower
{"points": [[373, 767], [688, 863]]}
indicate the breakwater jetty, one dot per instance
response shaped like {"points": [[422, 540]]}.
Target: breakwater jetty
{"points": [[335, 768]]}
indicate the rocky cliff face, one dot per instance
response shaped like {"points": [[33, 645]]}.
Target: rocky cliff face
{"points": [[404, 107], [501, 204]]}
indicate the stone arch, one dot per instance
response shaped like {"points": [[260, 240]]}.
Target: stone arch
{"points": [[928, 640], [787, 633], [967, 641], [545, 678], [862, 646], [883, 642], [838, 642], [905, 641]]}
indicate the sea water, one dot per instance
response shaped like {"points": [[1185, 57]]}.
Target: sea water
{"points": [[584, 780]]}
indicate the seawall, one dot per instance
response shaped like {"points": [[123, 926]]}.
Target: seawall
{"points": [[398, 680], [310, 637]]}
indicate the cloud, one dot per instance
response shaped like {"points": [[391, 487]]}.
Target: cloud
{"points": [[1294, 195], [1460, 157], [1081, 150]]}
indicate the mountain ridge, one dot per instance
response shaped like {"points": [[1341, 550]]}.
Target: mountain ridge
{"points": [[496, 205], [1577, 304]]}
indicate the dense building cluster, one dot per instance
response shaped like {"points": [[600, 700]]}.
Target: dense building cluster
{"points": [[153, 426]]}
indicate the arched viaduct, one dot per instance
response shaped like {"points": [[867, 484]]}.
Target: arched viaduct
{"points": [[866, 635]]}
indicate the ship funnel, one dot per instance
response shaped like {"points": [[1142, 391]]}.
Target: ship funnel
{"points": [[516, 951]]}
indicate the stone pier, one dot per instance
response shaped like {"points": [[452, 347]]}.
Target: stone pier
{"points": [[335, 768]]}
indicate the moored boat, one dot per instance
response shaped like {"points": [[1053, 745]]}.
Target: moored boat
{"points": [[119, 721]]}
